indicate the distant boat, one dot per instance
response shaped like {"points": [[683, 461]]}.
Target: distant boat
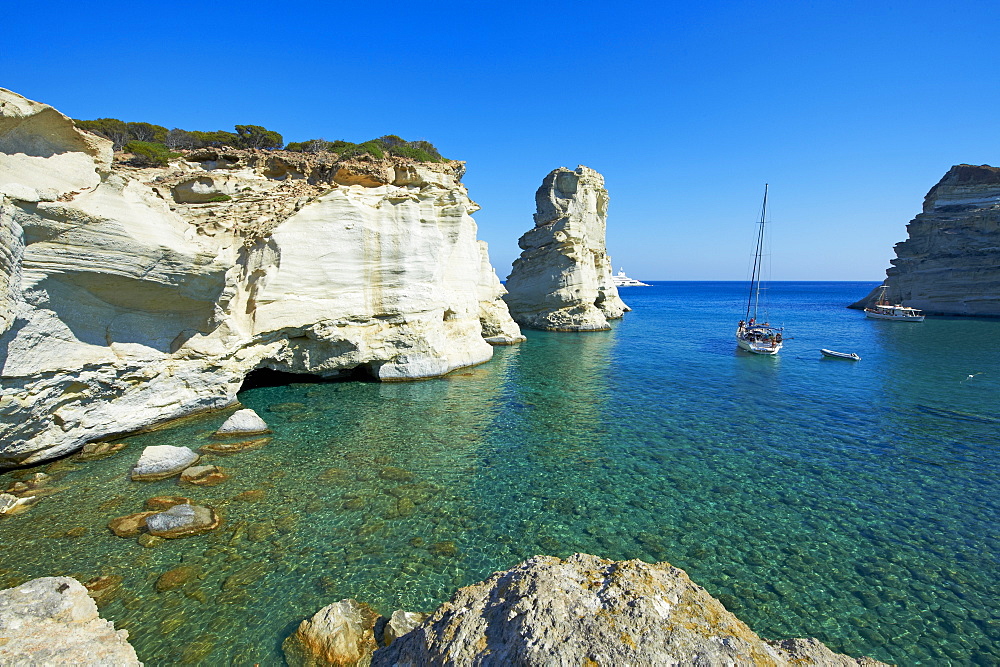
{"points": [[841, 355], [883, 310], [621, 280], [751, 336]]}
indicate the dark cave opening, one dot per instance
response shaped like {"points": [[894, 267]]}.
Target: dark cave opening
{"points": [[266, 377]]}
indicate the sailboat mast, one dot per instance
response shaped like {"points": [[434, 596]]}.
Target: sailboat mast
{"points": [[754, 296]]}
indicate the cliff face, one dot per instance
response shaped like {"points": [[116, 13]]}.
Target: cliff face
{"points": [[132, 296], [950, 262], [562, 280]]}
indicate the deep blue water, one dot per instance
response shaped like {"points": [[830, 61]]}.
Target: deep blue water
{"points": [[855, 502]]}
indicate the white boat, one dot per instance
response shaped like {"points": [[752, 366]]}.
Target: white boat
{"points": [[751, 335], [883, 310], [621, 280], [841, 355]]}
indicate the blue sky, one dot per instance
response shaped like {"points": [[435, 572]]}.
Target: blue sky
{"points": [[850, 110]]}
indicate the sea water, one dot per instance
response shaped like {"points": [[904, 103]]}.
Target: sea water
{"points": [[855, 502]]}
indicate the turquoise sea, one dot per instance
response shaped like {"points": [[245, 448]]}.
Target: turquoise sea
{"points": [[855, 502]]}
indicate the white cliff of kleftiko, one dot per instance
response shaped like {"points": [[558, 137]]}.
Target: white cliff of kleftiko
{"points": [[562, 280], [950, 262], [132, 296]]}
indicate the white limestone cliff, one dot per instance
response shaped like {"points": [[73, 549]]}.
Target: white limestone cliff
{"points": [[562, 280], [950, 262], [132, 296]]}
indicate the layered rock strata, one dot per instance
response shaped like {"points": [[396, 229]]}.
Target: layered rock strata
{"points": [[132, 296], [950, 262], [562, 280], [580, 611], [53, 621]]}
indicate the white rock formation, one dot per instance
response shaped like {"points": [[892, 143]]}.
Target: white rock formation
{"points": [[243, 422], [52, 621], [123, 304], [162, 461], [562, 280], [950, 262]]}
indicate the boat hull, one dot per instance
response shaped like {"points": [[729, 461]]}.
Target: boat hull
{"points": [[894, 318], [840, 355], [757, 347]]}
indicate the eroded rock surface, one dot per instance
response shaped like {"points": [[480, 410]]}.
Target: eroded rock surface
{"points": [[950, 262], [562, 280], [132, 296], [52, 621], [338, 634], [585, 611]]}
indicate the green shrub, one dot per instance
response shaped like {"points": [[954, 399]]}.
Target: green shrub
{"points": [[413, 153], [219, 197], [149, 154]]}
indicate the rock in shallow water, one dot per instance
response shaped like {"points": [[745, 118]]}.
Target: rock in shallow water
{"points": [[162, 461], [182, 521], [243, 422], [52, 621]]}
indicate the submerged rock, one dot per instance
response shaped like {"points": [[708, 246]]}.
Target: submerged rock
{"points": [[228, 448], [203, 475], [52, 620], [586, 610], [243, 422], [562, 280], [182, 521], [130, 525], [162, 461], [400, 623], [338, 634], [11, 504]]}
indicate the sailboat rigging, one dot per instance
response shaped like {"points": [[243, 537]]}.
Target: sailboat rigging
{"points": [[751, 335]]}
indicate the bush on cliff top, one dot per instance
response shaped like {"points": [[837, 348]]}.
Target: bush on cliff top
{"points": [[149, 154], [123, 134]]}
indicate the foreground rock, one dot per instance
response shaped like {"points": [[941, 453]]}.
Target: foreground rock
{"points": [[132, 296], [338, 634], [585, 611], [52, 621], [162, 461], [243, 422], [562, 280], [950, 262]]}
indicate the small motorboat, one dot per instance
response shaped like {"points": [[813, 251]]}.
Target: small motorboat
{"points": [[841, 355]]}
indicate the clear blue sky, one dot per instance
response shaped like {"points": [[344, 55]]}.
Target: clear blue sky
{"points": [[850, 110]]}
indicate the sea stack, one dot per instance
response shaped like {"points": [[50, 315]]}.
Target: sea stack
{"points": [[562, 280], [130, 295], [950, 262]]}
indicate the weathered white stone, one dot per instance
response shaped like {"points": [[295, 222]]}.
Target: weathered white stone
{"points": [[243, 422], [52, 621], [950, 262], [586, 610], [162, 461], [562, 280], [123, 304]]}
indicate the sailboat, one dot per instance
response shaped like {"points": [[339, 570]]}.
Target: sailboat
{"points": [[751, 335]]}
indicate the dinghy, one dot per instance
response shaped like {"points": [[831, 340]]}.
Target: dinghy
{"points": [[841, 355]]}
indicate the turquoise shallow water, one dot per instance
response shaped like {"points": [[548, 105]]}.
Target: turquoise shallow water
{"points": [[853, 502]]}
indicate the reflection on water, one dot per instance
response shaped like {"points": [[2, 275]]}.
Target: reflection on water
{"points": [[853, 502]]}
